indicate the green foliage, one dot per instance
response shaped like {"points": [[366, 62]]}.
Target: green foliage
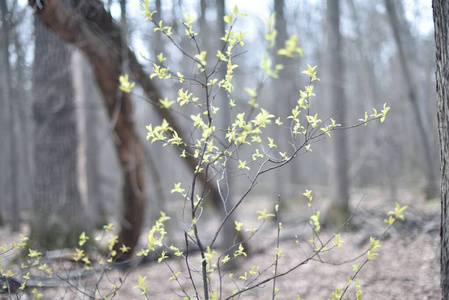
{"points": [[374, 245], [291, 47], [142, 286], [396, 214], [125, 85], [39, 268], [315, 221]]}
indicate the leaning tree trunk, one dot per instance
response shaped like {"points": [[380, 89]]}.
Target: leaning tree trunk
{"points": [[58, 214], [441, 22]]}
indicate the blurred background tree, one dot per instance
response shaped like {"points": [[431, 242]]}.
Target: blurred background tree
{"points": [[58, 212], [388, 158]]}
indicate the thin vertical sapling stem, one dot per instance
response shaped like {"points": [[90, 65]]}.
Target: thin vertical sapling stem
{"points": [[244, 126], [278, 254]]}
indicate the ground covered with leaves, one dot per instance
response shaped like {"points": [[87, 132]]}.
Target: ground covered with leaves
{"points": [[406, 265]]}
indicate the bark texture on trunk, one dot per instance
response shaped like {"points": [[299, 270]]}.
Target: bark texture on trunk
{"points": [[103, 46], [441, 22], [58, 214], [8, 114], [338, 212]]}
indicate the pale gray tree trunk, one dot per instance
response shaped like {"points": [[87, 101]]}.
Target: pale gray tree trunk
{"points": [[10, 108], [441, 22], [104, 47], [158, 45], [339, 210], [93, 107], [24, 125], [431, 189], [285, 94], [80, 117], [58, 214], [89, 176], [230, 237], [371, 84], [5, 99], [279, 101]]}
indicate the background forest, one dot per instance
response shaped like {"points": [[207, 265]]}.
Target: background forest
{"points": [[60, 170]]}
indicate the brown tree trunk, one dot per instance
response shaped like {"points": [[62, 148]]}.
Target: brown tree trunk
{"points": [[338, 212], [441, 22]]}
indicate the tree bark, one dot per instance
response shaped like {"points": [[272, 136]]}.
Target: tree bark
{"points": [[58, 214], [431, 183], [25, 126], [281, 181], [5, 86], [103, 49], [338, 212], [76, 66], [16, 155], [441, 22], [89, 172]]}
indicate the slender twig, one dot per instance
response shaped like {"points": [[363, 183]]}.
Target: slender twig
{"points": [[276, 262]]}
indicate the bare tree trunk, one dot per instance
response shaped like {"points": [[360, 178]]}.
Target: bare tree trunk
{"points": [[24, 136], [93, 107], [224, 197], [80, 116], [280, 93], [431, 184], [441, 22], [89, 176], [338, 212], [58, 214], [284, 90], [104, 53], [5, 90], [11, 111], [202, 18], [372, 85]]}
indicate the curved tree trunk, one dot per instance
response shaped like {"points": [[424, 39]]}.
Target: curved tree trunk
{"points": [[441, 21]]}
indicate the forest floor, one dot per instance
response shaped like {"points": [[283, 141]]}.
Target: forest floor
{"points": [[406, 267]]}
